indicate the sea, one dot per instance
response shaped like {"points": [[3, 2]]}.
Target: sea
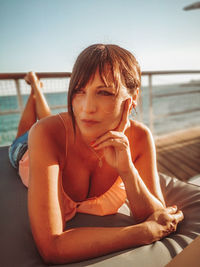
{"points": [[187, 100]]}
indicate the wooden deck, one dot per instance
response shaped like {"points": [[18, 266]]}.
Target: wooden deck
{"points": [[178, 154]]}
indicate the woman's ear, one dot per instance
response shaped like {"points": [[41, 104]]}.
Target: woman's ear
{"points": [[134, 98], [130, 105]]}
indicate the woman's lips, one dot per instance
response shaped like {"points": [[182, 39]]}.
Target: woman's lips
{"points": [[89, 122]]}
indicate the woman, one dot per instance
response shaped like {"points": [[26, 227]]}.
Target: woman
{"points": [[90, 160]]}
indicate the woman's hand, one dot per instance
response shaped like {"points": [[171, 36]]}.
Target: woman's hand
{"points": [[115, 144], [164, 222]]}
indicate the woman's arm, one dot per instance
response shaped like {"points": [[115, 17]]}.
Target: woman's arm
{"points": [[143, 186], [142, 181], [140, 178], [143, 193], [146, 163], [85, 243]]}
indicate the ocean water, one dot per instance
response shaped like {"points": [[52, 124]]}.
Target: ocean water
{"points": [[161, 106]]}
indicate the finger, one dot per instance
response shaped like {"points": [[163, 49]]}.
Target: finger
{"points": [[172, 227], [111, 142], [124, 120], [172, 209], [106, 136], [178, 216]]}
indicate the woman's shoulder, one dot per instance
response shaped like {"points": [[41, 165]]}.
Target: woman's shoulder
{"points": [[54, 124], [53, 130], [141, 139], [139, 131]]}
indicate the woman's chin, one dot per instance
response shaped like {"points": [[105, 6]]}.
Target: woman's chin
{"points": [[91, 136], [88, 136], [92, 133]]}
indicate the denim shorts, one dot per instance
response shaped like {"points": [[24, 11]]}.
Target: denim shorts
{"points": [[17, 149]]}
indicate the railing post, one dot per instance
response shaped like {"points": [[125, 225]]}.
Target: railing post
{"points": [[19, 96], [151, 118]]}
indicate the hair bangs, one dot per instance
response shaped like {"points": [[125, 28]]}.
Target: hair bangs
{"points": [[109, 73]]}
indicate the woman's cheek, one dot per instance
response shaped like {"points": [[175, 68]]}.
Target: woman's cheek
{"points": [[75, 104], [111, 106], [113, 113]]}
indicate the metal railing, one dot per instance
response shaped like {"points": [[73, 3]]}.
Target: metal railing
{"points": [[20, 76], [150, 74], [152, 117]]}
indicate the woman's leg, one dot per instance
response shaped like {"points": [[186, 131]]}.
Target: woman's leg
{"points": [[29, 116], [42, 108], [36, 106]]}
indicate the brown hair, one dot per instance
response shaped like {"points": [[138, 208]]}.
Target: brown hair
{"points": [[124, 68]]}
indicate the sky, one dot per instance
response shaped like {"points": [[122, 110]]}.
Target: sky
{"points": [[48, 35]]}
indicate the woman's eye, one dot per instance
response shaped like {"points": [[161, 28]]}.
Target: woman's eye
{"points": [[105, 93]]}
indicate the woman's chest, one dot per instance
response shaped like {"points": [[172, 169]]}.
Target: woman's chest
{"points": [[83, 178]]}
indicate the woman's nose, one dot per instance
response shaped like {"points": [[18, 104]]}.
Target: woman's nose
{"points": [[89, 104]]}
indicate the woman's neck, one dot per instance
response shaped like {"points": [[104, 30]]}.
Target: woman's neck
{"points": [[87, 140], [84, 146]]}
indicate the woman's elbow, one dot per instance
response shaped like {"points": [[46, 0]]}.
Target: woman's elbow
{"points": [[53, 252], [48, 251], [49, 257]]}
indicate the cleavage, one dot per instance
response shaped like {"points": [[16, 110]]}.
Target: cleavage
{"points": [[80, 183]]}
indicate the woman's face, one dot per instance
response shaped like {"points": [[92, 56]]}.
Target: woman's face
{"points": [[97, 108]]}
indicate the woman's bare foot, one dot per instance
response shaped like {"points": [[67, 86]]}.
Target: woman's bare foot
{"points": [[32, 79], [42, 108]]}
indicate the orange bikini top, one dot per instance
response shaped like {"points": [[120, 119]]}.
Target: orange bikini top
{"points": [[107, 203]]}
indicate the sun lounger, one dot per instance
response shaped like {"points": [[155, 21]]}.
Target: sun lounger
{"points": [[17, 246]]}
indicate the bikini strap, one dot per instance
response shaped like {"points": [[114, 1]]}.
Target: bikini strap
{"points": [[66, 132]]}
